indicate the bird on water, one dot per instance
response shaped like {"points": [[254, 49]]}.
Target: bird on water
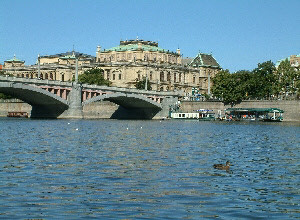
{"points": [[222, 166]]}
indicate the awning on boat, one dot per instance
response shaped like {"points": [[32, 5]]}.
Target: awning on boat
{"points": [[267, 110]]}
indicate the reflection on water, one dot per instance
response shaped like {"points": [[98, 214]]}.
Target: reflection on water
{"points": [[107, 169]]}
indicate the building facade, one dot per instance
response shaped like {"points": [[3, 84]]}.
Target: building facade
{"points": [[164, 70], [126, 64], [52, 67]]}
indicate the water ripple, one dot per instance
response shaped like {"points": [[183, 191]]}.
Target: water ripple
{"points": [[106, 169]]}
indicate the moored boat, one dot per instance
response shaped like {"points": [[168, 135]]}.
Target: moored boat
{"points": [[18, 114], [255, 114]]}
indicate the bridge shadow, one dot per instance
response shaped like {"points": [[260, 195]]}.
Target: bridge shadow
{"points": [[134, 113]]}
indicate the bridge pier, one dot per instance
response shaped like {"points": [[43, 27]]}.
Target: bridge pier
{"points": [[75, 109], [166, 105]]}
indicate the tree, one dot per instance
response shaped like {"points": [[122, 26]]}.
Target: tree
{"points": [[263, 81], [287, 78], [93, 76], [140, 84], [232, 88], [229, 87]]}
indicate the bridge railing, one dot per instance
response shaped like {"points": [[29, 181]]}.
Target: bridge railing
{"points": [[35, 81], [46, 84], [131, 90]]}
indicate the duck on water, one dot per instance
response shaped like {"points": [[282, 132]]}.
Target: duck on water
{"points": [[222, 166]]}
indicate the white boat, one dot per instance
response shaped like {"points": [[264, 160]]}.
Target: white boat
{"points": [[185, 115]]}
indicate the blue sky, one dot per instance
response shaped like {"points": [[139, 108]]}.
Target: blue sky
{"points": [[240, 34]]}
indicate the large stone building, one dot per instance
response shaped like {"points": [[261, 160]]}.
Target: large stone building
{"points": [[54, 67], [126, 64], [134, 60]]}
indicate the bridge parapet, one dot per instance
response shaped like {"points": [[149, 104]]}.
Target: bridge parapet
{"points": [[35, 81], [90, 91]]}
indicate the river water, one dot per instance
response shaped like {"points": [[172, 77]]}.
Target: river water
{"points": [[111, 169]]}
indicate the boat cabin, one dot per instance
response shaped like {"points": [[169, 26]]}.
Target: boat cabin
{"points": [[179, 115], [254, 114]]}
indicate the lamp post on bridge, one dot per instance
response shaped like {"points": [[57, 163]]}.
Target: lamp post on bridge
{"points": [[76, 71], [39, 67], [146, 83]]}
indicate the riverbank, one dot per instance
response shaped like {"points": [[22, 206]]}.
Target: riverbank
{"points": [[291, 108], [106, 110]]}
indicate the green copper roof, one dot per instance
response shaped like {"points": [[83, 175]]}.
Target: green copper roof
{"points": [[15, 60], [68, 57], [134, 47]]}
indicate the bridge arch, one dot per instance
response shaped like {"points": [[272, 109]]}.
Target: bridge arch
{"points": [[131, 106], [130, 101], [44, 104]]}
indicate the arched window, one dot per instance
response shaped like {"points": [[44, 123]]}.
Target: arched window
{"points": [[46, 75], [62, 77], [22, 75]]}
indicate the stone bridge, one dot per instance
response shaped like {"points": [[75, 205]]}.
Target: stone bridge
{"points": [[53, 99]]}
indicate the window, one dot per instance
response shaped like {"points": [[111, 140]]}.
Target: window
{"points": [[194, 79], [168, 76], [120, 76], [114, 76], [162, 76], [107, 74]]}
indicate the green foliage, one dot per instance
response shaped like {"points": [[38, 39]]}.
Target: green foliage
{"points": [[140, 84], [288, 78], [263, 82], [93, 77], [231, 88]]}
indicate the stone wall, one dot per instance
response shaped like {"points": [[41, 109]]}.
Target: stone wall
{"points": [[13, 106], [105, 109], [291, 108], [102, 109]]}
